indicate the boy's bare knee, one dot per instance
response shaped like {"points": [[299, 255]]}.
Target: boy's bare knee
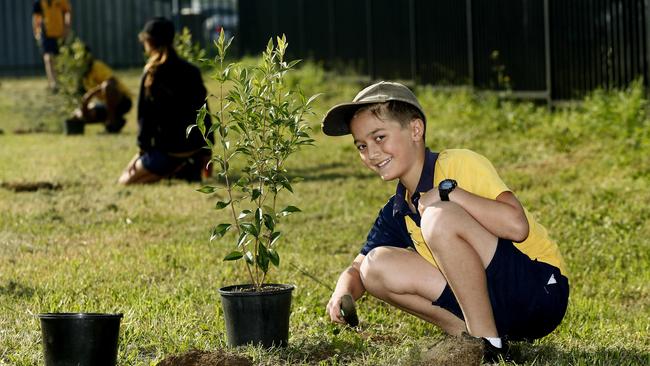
{"points": [[440, 221], [372, 270]]}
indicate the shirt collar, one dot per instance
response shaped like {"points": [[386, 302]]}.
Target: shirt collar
{"points": [[425, 184]]}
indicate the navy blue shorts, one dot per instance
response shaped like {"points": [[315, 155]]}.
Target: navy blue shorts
{"points": [[160, 163], [50, 45], [529, 298]]}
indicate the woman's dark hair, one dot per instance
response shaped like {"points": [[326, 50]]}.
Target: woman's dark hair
{"points": [[159, 33]]}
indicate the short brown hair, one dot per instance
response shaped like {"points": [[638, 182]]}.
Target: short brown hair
{"points": [[401, 112]]}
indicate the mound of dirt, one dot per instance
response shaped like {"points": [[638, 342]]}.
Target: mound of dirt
{"points": [[204, 358], [454, 351], [30, 186]]}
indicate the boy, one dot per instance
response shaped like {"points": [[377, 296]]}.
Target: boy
{"points": [[453, 246], [51, 20]]}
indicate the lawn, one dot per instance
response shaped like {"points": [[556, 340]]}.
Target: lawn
{"points": [[90, 245]]}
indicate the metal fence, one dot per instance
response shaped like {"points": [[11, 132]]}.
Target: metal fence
{"points": [[550, 49]]}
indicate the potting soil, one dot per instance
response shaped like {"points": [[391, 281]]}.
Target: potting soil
{"points": [[205, 358], [454, 351]]}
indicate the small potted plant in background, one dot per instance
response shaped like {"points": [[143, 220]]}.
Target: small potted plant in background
{"points": [[71, 64], [258, 125]]}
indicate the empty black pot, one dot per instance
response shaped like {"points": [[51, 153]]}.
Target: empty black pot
{"points": [[74, 126], [257, 317], [80, 339]]}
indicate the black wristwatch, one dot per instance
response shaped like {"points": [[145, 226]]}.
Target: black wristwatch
{"points": [[445, 187]]}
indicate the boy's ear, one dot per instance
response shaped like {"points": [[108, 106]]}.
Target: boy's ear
{"points": [[417, 129]]}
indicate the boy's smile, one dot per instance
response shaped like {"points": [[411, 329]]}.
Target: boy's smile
{"points": [[388, 148]]}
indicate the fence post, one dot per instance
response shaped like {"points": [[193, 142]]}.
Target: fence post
{"points": [[470, 42], [370, 39], [646, 36], [547, 51], [413, 50]]}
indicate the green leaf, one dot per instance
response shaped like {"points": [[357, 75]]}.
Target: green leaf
{"points": [[275, 257], [221, 204], [249, 228], [249, 257], [285, 183], [258, 219], [188, 130], [244, 213], [256, 194], [207, 189], [200, 119], [289, 210], [233, 256], [263, 258], [274, 237], [219, 231], [242, 182], [242, 239], [313, 97], [269, 222]]}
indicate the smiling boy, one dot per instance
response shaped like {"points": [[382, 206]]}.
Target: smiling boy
{"points": [[453, 246]]}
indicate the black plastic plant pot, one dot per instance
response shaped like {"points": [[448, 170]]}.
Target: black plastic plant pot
{"points": [[74, 126], [257, 317], [80, 339]]}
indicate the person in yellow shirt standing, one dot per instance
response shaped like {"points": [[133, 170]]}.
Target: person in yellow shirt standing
{"points": [[51, 20]]}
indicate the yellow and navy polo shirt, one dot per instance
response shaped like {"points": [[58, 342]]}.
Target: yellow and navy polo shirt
{"points": [[52, 12], [397, 226], [100, 72]]}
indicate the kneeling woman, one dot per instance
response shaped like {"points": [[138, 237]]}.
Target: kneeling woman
{"points": [[171, 92]]}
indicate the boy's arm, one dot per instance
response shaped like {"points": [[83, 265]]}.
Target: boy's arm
{"points": [[504, 217], [349, 282], [37, 20], [67, 20]]}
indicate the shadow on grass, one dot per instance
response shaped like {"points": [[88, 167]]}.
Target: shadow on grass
{"points": [[315, 352], [558, 355], [16, 290]]}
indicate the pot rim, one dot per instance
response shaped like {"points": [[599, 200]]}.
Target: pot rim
{"points": [[232, 290], [80, 316]]}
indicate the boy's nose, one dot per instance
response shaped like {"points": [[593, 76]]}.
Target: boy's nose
{"points": [[373, 152]]}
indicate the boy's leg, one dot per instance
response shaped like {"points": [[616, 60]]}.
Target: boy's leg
{"points": [[112, 95], [404, 279], [463, 248], [50, 71]]}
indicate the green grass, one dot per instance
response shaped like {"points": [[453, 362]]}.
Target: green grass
{"points": [[95, 247]]}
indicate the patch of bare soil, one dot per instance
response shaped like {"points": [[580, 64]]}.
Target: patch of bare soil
{"points": [[205, 358], [454, 351], [30, 186], [39, 128]]}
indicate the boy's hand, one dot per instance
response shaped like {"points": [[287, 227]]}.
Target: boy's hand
{"points": [[334, 309], [428, 199]]}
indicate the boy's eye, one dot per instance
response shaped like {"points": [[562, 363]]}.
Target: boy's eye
{"points": [[361, 147], [379, 138]]}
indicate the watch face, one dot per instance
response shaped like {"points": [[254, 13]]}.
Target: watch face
{"points": [[445, 184]]}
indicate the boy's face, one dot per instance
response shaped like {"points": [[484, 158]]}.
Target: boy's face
{"points": [[386, 147]]}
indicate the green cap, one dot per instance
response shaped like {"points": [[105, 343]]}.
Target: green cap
{"points": [[337, 119]]}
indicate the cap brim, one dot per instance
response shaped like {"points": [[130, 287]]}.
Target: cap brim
{"points": [[337, 119]]}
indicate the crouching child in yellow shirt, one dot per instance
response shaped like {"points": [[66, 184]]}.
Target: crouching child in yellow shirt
{"points": [[453, 246], [105, 98]]}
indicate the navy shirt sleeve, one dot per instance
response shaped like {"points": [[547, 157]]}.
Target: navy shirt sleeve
{"points": [[388, 230]]}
